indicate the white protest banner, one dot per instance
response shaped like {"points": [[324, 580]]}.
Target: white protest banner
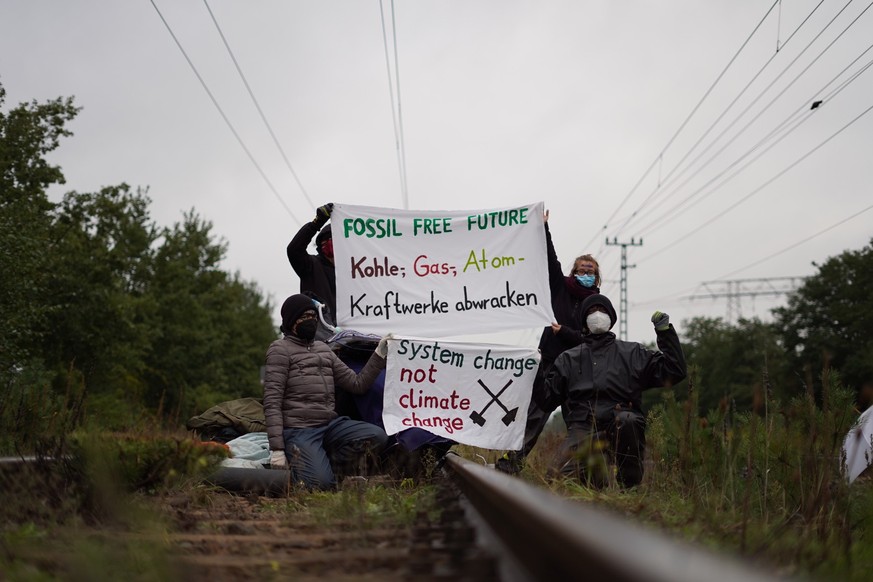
{"points": [[440, 273], [475, 394]]}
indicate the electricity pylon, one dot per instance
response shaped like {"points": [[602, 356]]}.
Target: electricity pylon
{"points": [[622, 309], [735, 289]]}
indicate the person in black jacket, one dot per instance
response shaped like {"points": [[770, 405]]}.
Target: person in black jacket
{"points": [[600, 384], [567, 294], [316, 272]]}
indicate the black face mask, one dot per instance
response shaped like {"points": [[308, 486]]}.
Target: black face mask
{"points": [[306, 329]]}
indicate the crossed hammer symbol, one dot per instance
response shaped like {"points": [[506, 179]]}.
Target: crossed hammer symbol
{"points": [[507, 419]]}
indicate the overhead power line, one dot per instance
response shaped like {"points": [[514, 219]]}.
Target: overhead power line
{"points": [[224, 117], [670, 179], [789, 125], [785, 128], [785, 170], [258, 106], [749, 124], [668, 215], [759, 261], [396, 109], [798, 243], [685, 122]]}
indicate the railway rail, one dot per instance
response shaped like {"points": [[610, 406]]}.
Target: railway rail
{"points": [[491, 526], [536, 535]]}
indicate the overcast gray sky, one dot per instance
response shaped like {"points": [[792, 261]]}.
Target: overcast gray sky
{"points": [[629, 119]]}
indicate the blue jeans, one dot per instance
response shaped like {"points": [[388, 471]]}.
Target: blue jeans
{"points": [[316, 454]]}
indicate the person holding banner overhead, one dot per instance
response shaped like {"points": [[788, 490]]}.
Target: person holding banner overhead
{"points": [[600, 384], [305, 433], [567, 294], [316, 272]]}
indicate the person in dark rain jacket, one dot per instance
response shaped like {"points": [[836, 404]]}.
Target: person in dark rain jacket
{"points": [[567, 294], [600, 383]]}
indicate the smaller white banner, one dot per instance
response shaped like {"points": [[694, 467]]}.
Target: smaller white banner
{"points": [[475, 394]]}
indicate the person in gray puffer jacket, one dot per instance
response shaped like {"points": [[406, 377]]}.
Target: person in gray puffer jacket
{"points": [[304, 432]]}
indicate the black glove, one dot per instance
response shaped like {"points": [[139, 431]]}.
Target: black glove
{"points": [[322, 214], [661, 321]]}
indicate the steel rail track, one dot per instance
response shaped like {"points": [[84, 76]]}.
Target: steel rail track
{"points": [[551, 538]]}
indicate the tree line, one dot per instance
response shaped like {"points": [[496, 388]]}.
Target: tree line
{"points": [[96, 298], [826, 326]]}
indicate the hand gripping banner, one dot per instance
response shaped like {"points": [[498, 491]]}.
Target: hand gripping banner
{"points": [[440, 273], [471, 393]]}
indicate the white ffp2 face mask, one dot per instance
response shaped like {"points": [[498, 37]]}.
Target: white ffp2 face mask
{"points": [[598, 322]]}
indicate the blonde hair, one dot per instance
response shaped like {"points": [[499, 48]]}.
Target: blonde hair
{"points": [[590, 259]]}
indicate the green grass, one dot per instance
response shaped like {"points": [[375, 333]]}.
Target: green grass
{"points": [[68, 517], [369, 506], [764, 484]]}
